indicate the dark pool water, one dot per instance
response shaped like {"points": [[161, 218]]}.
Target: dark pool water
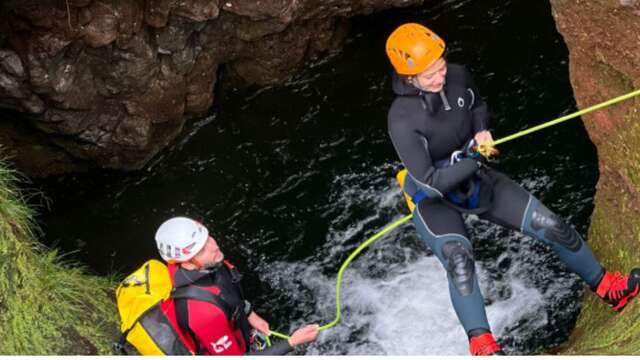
{"points": [[291, 179]]}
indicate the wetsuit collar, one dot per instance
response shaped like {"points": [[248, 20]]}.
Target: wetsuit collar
{"points": [[401, 87], [433, 101], [184, 277]]}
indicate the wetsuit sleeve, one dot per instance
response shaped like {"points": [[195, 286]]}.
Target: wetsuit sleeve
{"points": [[277, 348], [479, 108], [213, 330], [412, 148]]}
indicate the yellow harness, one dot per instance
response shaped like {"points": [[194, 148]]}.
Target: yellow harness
{"points": [[400, 178]]}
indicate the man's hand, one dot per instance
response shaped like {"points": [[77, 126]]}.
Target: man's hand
{"points": [[259, 323], [304, 335]]}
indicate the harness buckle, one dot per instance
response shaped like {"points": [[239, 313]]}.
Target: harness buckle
{"points": [[456, 156]]}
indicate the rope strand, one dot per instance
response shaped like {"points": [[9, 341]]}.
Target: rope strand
{"points": [[485, 148]]}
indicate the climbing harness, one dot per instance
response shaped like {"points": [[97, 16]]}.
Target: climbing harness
{"points": [[259, 342], [485, 150]]}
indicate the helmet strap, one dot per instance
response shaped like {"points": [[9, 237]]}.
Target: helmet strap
{"points": [[414, 83], [191, 263]]}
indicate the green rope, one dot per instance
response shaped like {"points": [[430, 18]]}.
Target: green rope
{"points": [[346, 263], [355, 253], [277, 334], [567, 117]]}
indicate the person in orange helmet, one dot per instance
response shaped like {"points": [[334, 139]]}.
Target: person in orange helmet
{"points": [[435, 123]]}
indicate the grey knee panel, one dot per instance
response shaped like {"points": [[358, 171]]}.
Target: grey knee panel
{"points": [[541, 222], [452, 247], [460, 266]]}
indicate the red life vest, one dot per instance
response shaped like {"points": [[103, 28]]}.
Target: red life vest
{"points": [[218, 325]]}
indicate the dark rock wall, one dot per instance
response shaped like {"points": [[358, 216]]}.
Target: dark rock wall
{"points": [[603, 37], [112, 82]]}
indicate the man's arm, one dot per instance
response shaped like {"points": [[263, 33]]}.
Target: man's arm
{"points": [[281, 347], [301, 336]]}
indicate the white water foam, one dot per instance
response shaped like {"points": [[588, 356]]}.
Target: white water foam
{"points": [[396, 304], [408, 312]]}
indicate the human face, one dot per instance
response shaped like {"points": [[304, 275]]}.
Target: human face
{"points": [[210, 254], [433, 78]]}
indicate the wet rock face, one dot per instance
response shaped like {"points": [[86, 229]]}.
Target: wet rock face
{"points": [[112, 82], [604, 49]]}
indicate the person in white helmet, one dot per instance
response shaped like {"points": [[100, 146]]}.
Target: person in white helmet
{"points": [[195, 260]]}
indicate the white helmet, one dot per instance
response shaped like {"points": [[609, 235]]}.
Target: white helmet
{"points": [[180, 238]]}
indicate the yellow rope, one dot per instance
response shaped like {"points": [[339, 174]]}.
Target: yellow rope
{"points": [[485, 149], [346, 263]]}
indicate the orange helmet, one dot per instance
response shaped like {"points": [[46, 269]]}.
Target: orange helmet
{"points": [[412, 48]]}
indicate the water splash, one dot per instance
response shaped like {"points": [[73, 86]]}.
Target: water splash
{"points": [[395, 298]]}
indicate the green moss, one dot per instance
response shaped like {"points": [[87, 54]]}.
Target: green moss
{"points": [[601, 330], [47, 306], [630, 154], [614, 238]]}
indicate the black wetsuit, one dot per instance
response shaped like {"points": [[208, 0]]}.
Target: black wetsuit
{"points": [[426, 128]]}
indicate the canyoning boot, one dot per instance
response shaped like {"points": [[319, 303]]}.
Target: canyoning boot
{"points": [[484, 344], [617, 289]]}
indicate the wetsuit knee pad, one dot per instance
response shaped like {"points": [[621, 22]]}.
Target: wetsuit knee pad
{"points": [[541, 222], [460, 266]]}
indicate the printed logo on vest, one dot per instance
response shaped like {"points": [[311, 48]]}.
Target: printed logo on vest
{"points": [[221, 345], [460, 102]]}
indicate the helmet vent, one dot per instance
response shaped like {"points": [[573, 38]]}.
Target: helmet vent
{"points": [[412, 48], [409, 60]]}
